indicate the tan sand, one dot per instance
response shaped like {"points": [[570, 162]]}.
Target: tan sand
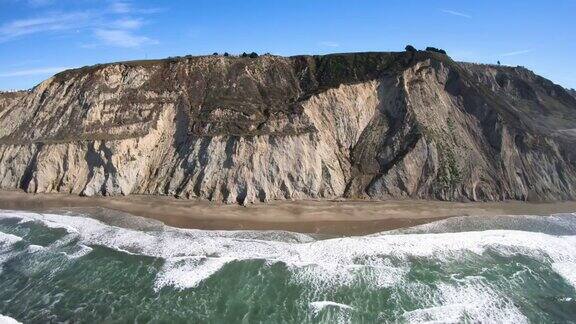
{"points": [[318, 216]]}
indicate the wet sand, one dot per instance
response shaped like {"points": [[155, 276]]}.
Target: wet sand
{"points": [[329, 217]]}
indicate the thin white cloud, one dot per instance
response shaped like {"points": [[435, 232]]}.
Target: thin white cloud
{"points": [[38, 71], [125, 7], [329, 44], [21, 63], [122, 38], [120, 7], [50, 22], [526, 51], [456, 13], [128, 23], [116, 24]]}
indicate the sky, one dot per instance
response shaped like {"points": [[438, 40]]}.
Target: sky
{"points": [[39, 38]]}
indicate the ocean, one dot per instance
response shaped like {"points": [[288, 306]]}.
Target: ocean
{"points": [[112, 268]]}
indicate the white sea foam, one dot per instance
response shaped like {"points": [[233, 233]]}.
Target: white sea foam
{"points": [[35, 248], [189, 271], [333, 261], [556, 224], [383, 260], [470, 300], [78, 251], [566, 270], [7, 240], [318, 306], [8, 320]]}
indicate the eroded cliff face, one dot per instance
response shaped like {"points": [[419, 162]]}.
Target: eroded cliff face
{"points": [[240, 130]]}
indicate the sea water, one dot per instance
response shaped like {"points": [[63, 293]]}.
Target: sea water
{"points": [[74, 267]]}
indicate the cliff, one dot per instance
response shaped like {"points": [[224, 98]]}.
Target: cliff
{"points": [[241, 130]]}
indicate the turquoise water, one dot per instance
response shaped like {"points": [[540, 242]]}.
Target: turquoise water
{"points": [[110, 267]]}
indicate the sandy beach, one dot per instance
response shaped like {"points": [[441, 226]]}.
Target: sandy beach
{"points": [[311, 216]]}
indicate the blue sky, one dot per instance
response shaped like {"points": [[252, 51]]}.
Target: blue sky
{"points": [[41, 37]]}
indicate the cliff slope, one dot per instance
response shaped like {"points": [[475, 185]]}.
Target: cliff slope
{"points": [[240, 130]]}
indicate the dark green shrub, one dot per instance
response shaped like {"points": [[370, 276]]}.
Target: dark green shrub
{"points": [[410, 48], [434, 49]]}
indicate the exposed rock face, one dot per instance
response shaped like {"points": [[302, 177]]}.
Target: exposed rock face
{"points": [[572, 92], [240, 130]]}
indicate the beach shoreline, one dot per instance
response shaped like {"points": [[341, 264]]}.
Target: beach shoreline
{"points": [[330, 217]]}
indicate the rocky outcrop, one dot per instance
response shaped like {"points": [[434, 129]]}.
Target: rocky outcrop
{"points": [[241, 130], [572, 92]]}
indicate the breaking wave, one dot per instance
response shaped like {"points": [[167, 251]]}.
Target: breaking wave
{"points": [[389, 261]]}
